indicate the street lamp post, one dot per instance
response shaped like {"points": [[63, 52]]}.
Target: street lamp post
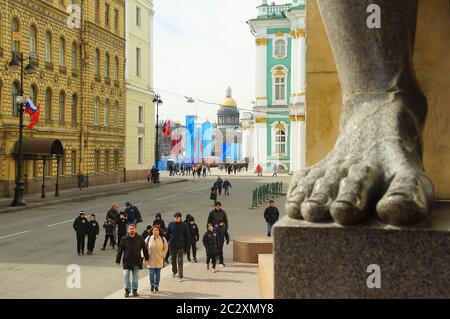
{"points": [[15, 64], [158, 101]]}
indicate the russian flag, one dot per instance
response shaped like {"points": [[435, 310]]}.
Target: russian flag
{"points": [[33, 111]]}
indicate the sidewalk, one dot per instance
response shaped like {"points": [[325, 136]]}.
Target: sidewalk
{"points": [[236, 280], [74, 194]]}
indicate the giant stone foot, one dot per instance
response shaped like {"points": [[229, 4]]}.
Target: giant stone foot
{"points": [[375, 165]]}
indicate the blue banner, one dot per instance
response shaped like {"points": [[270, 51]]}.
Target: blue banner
{"points": [[207, 139], [190, 138]]}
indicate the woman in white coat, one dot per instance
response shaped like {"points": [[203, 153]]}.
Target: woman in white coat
{"points": [[157, 250]]}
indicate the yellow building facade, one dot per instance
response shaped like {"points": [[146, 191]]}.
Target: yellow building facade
{"points": [[79, 85], [140, 123]]}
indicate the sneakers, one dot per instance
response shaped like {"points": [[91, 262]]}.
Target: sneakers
{"points": [[195, 260], [103, 248], [152, 289], [181, 279], [127, 293], [135, 293], [222, 265], [214, 270], [156, 289]]}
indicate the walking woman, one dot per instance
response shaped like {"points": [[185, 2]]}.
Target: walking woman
{"points": [[157, 249]]}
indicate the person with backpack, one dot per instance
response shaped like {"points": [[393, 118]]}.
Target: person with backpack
{"points": [[157, 248]]}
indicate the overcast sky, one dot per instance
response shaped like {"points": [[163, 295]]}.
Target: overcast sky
{"points": [[200, 48]]}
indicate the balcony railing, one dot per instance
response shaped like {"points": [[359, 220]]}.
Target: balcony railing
{"points": [[49, 66], [74, 73], [62, 69], [107, 81]]}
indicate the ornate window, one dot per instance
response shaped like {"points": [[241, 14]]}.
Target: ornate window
{"points": [[74, 109], [62, 106], [107, 66], [48, 46], [106, 118], [280, 48], [74, 56], [32, 37], [116, 114], [15, 28], [62, 52], [48, 104], [15, 93], [97, 63], [116, 69], [280, 142], [33, 94], [279, 87], [96, 111]]}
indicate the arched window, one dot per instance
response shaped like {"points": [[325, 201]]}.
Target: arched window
{"points": [[15, 28], [62, 107], [116, 114], [116, 69], [74, 56], [48, 104], [97, 63], [107, 66], [33, 94], [280, 142], [280, 48], [96, 111], [32, 37], [62, 52], [15, 93], [48, 46], [74, 109], [106, 118]]}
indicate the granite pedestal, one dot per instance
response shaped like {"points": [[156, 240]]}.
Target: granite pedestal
{"points": [[327, 260]]}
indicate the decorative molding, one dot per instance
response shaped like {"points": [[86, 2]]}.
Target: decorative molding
{"points": [[261, 120], [260, 98], [279, 34], [261, 41], [300, 33], [297, 118], [297, 94]]}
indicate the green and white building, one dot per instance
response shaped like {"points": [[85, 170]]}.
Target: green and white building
{"points": [[275, 135]]}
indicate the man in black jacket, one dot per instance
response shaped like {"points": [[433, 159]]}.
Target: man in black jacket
{"points": [[271, 215], [131, 247], [216, 215], [80, 227], [194, 236], [211, 243], [178, 238], [92, 231], [133, 214]]}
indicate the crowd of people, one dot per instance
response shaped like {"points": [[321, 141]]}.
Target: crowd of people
{"points": [[199, 170]]}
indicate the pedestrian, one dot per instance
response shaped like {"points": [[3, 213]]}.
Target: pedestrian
{"points": [[219, 183], [157, 249], [152, 174], [259, 170], [209, 169], [204, 171], [159, 222], [234, 168], [80, 180], [131, 247], [149, 176], [222, 236], [113, 213], [275, 170], [109, 227], [194, 237], [271, 215], [213, 195], [80, 227], [226, 187], [133, 214], [147, 232], [92, 232], [218, 214], [121, 227], [230, 168], [211, 243], [178, 238]]}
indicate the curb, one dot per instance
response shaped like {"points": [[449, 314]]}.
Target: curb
{"points": [[84, 197]]}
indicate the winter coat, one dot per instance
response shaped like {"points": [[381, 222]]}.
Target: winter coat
{"points": [[130, 248], [216, 216], [122, 227], [133, 214], [213, 195], [271, 215], [93, 229], [178, 236], [222, 235], [113, 214], [80, 225], [109, 227], [159, 222], [219, 183], [211, 243], [226, 185], [157, 250], [193, 232]]}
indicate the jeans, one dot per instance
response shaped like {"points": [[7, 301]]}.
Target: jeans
{"points": [[91, 243], [176, 255], [269, 229], [155, 275], [126, 276], [227, 192]]}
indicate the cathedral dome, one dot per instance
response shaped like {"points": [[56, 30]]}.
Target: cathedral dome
{"points": [[229, 101]]}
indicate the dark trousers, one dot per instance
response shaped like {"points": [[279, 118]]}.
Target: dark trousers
{"points": [[220, 253], [91, 243], [80, 242], [212, 258], [119, 237], [227, 191], [111, 238], [176, 255], [220, 190], [193, 247]]}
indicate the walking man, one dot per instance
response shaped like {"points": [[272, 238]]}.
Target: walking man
{"points": [[133, 214], [275, 170], [226, 187], [131, 247], [81, 228], [80, 180], [178, 238], [271, 215], [216, 215], [92, 232]]}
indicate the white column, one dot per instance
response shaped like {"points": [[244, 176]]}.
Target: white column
{"points": [[298, 143], [261, 157], [261, 68], [302, 145], [302, 66]]}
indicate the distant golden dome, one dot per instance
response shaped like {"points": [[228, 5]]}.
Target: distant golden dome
{"points": [[229, 102]]}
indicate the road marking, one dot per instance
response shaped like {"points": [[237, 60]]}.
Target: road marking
{"points": [[22, 232], [167, 197], [66, 221], [198, 189]]}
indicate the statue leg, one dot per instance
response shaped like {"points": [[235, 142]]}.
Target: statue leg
{"points": [[377, 160]]}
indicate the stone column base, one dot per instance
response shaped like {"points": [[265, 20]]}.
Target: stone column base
{"points": [[332, 261]]}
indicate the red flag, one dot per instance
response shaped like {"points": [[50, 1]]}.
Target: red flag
{"points": [[166, 129], [34, 117]]}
